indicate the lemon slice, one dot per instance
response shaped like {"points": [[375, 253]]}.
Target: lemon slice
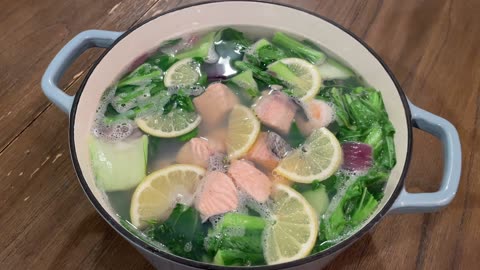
{"points": [[293, 232], [243, 130], [303, 77], [317, 159], [173, 124], [183, 73], [156, 195]]}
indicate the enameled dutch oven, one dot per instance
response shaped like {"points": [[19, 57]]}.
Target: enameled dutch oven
{"points": [[257, 17]]}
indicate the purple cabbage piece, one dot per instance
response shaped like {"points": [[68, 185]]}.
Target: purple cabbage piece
{"points": [[356, 156]]}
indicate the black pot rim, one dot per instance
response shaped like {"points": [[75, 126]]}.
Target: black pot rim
{"points": [[180, 260]]}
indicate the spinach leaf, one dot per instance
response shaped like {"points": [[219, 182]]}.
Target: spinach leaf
{"points": [[295, 137], [145, 73], [355, 204], [161, 60], [179, 101], [182, 233], [269, 54], [236, 37]]}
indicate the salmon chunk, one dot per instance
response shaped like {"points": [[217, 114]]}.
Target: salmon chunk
{"points": [[215, 104], [197, 151], [276, 110], [218, 195], [250, 180], [217, 138], [261, 154], [319, 114]]}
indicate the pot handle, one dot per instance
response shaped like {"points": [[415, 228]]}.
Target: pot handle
{"points": [[448, 135], [74, 48]]}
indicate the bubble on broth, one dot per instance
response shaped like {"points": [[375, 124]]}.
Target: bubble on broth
{"points": [[248, 202], [116, 131], [123, 107], [353, 173], [337, 198], [194, 90], [215, 220], [145, 96], [172, 90], [216, 162], [188, 247]]}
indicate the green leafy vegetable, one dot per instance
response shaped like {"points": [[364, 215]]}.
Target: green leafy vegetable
{"points": [[237, 240], [298, 48], [283, 73], [200, 48], [154, 145], [179, 101], [354, 205], [188, 136], [295, 137], [245, 82], [234, 257], [182, 233], [265, 53], [161, 60], [331, 69], [140, 235], [155, 102], [269, 54], [145, 73], [258, 73], [362, 117], [139, 92], [230, 35]]}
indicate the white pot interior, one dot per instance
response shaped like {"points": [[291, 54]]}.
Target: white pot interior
{"points": [[258, 18]]}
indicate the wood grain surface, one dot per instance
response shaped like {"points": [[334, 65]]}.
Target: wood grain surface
{"points": [[432, 46]]}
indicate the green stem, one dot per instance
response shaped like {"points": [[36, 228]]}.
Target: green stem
{"points": [[296, 47]]}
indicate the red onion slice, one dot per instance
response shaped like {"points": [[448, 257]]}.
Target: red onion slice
{"points": [[357, 156]]}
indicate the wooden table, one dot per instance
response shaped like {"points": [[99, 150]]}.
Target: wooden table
{"points": [[46, 221]]}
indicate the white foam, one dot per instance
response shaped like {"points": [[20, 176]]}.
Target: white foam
{"points": [[194, 90], [119, 130], [247, 202], [114, 132], [215, 220], [353, 173], [339, 195]]}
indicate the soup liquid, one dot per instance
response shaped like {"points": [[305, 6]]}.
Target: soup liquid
{"points": [[162, 152]]}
